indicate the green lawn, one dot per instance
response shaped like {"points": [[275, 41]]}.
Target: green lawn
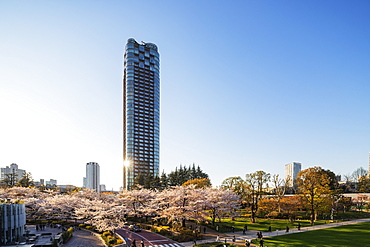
{"points": [[349, 235], [263, 224]]}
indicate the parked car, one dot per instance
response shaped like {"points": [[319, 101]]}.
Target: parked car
{"points": [[134, 228]]}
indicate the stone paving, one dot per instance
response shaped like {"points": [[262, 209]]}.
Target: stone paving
{"points": [[81, 238]]}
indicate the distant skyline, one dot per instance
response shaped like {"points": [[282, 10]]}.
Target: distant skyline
{"points": [[245, 85]]}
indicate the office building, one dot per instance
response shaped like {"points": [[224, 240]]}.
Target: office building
{"points": [[291, 172], [140, 111], [93, 176], [51, 182], [12, 173], [12, 222]]}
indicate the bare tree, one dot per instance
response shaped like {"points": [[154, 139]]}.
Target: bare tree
{"points": [[280, 188]]}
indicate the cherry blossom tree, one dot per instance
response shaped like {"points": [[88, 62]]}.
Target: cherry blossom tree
{"points": [[220, 202]]}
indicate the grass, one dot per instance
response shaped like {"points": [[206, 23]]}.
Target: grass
{"points": [[349, 235], [263, 224]]}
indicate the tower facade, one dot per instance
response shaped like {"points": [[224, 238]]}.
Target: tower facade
{"points": [[291, 172], [140, 111], [93, 176]]}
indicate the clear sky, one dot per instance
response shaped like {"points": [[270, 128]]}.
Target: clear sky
{"points": [[245, 85]]}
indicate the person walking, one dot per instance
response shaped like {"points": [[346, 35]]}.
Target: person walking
{"points": [[134, 243], [299, 226], [247, 243], [233, 229], [287, 229], [218, 238], [261, 242], [233, 238], [142, 243]]}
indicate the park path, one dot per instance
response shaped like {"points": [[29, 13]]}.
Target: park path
{"points": [[80, 238], [240, 237], [84, 239]]}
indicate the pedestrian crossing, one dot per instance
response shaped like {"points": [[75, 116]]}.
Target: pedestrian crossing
{"points": [[166, 245]]}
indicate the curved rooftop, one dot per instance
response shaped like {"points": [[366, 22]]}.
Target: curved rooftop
{"points": [[149, 45]]}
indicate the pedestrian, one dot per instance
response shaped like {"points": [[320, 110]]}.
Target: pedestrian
{"points": [[142, 243], [299, 226], [204, 230], [247, 243], [233, 229], [261, 235], [134, 243], [216, 227], [269, 228], [225, 240], [261, 242], [233, 238], [287, 229], [218, 238], [244, 231]]}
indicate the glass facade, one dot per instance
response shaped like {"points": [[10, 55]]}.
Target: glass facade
{"points": [[140, 111]]}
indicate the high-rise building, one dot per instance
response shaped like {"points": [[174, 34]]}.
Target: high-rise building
{"points": [[12, 222], [368, 171], [291, 172], [12, 173], [93, 176], [140, 111]]}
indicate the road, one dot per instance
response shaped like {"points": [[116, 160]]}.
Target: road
{"points": [[148, 238]]}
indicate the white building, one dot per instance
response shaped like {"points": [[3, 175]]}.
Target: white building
{"points": [[51, 182], [291, 172], [13, 169], [93, 176], [103, 188], [12, 222]]}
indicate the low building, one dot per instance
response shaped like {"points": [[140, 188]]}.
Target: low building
{"points": [[12, 222]]}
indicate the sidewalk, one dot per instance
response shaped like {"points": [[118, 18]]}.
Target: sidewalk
{"points": [[80, 238], [240, 237]]}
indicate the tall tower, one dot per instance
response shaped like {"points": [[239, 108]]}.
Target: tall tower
{"points": [[140, 111], [93, 176], [291, 172]]}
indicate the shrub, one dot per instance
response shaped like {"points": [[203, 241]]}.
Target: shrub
{"points": [[67, 235]]}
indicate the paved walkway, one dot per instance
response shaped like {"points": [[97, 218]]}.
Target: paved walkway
{"points": [[240, 237], [80, 238], [84, 239]]}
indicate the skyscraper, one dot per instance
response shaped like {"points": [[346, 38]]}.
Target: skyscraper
{"points": [[291, 172], [140, 111], [93, 176]]}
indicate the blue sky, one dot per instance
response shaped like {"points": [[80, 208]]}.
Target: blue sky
{"points": [[245, 85]]}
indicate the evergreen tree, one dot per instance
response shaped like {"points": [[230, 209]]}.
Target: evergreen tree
{"points": [[26, 180], [163, 181]]}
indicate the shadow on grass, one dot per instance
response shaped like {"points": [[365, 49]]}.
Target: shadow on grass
{"points": [[349, 235]]}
